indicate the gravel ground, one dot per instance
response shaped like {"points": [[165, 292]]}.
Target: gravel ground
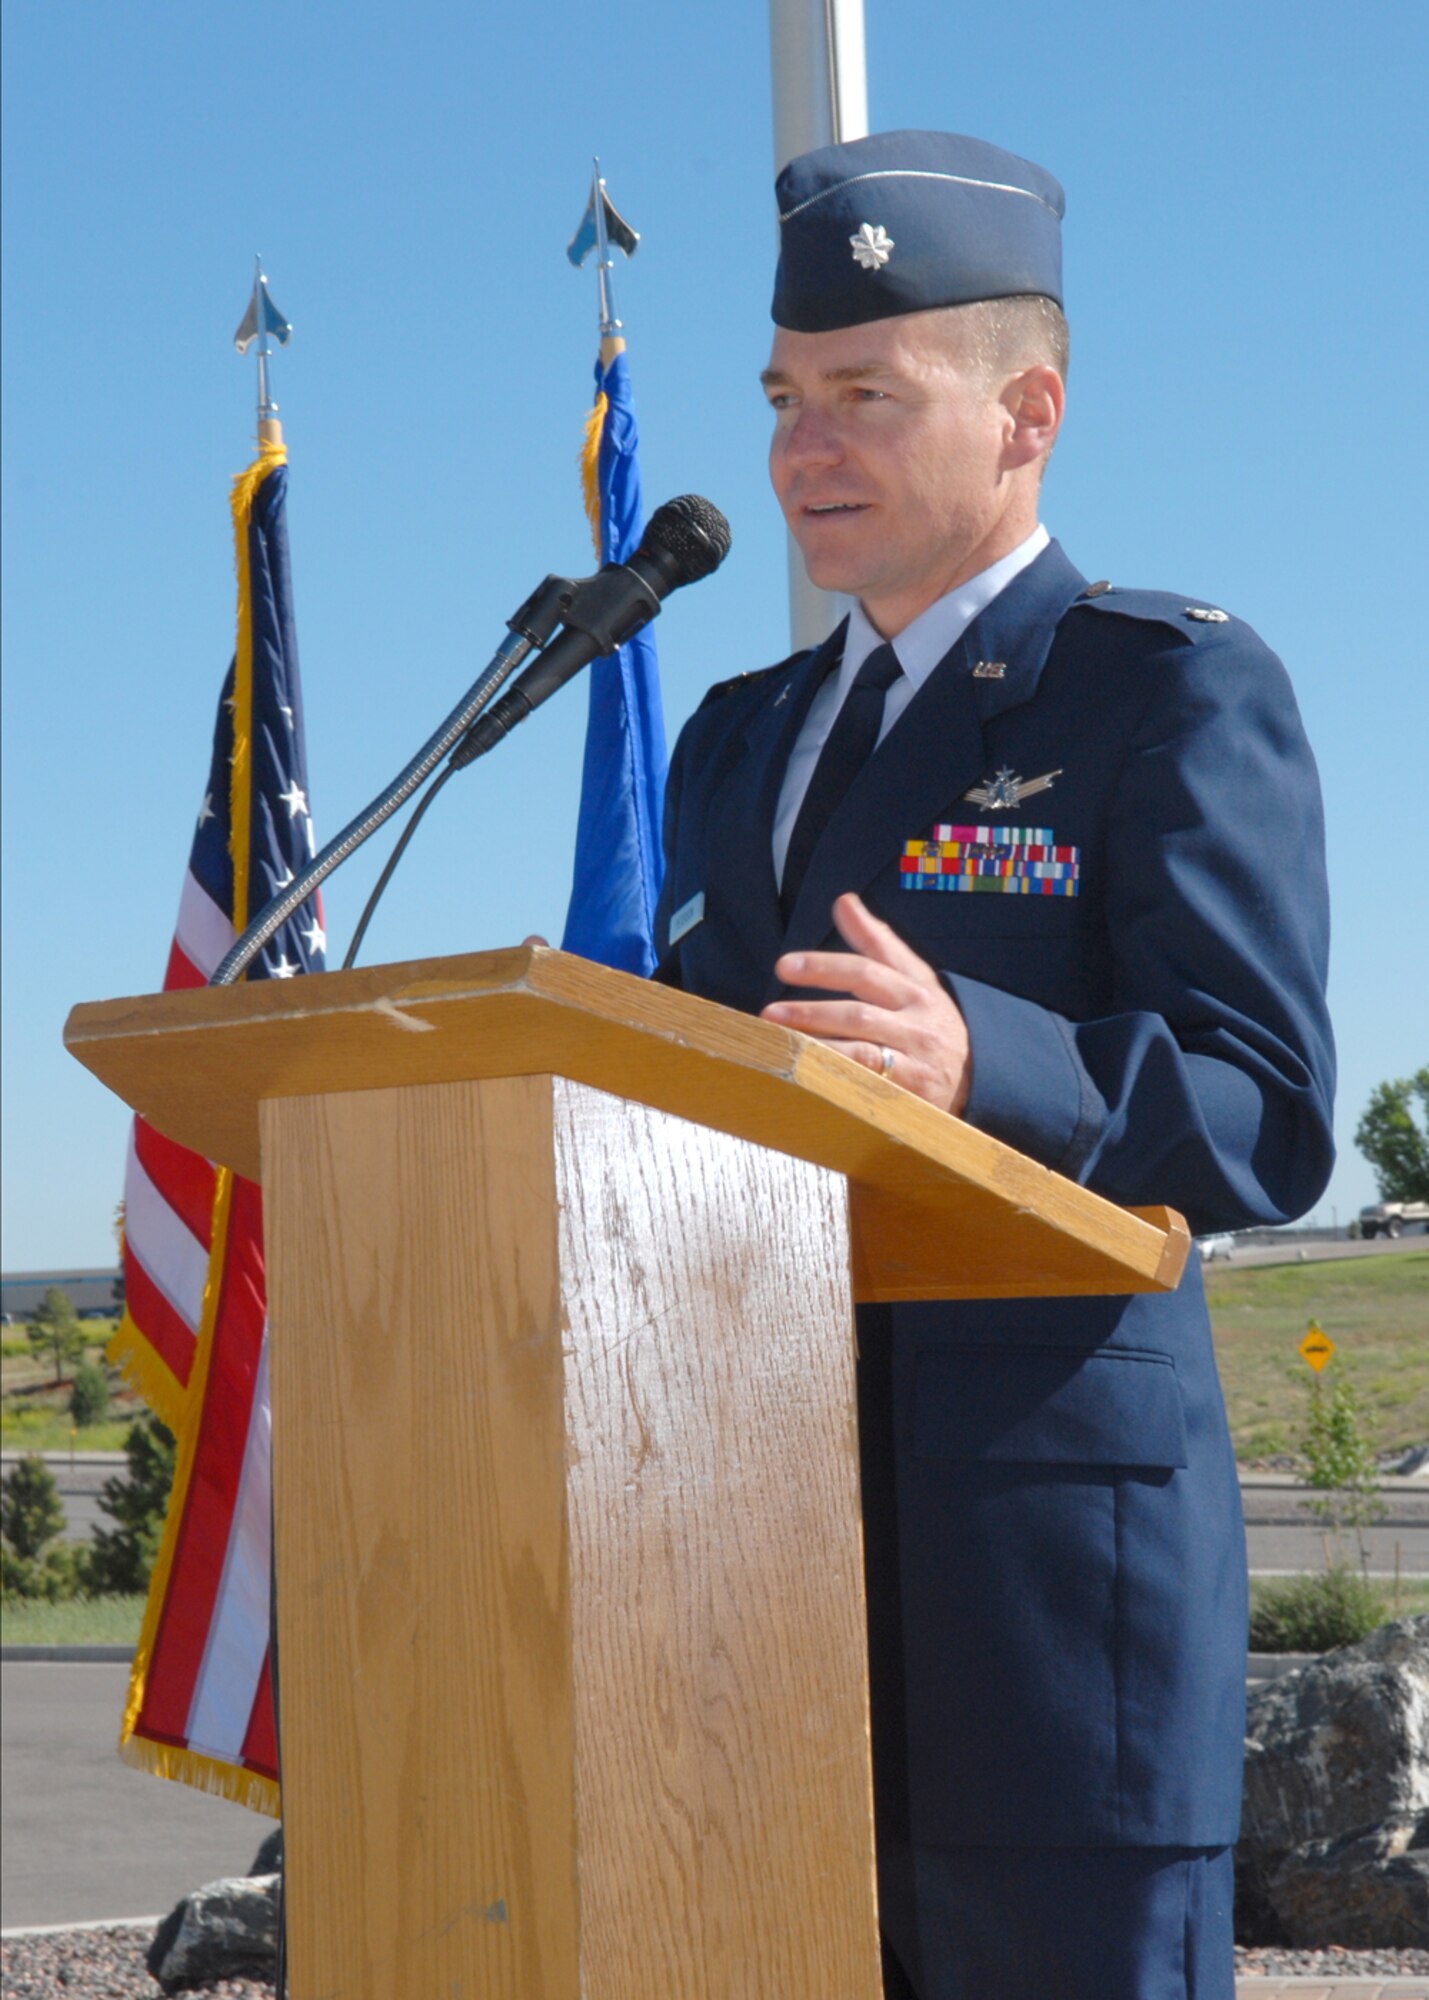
{"points": [[1331, 1962], [109, 1965], [94, 1965]]}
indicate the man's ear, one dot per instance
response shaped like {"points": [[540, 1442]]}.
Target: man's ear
{"points": [[1033, 402]]}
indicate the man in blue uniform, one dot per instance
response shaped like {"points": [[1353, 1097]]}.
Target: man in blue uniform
{"points": [[1049, 854]]}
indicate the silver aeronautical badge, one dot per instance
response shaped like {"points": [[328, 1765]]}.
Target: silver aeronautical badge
{"points": [[1004, 791], [872, 246]]}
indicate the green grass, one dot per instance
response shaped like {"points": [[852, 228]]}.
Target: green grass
{"points": [[84, 1621], [1375, 1309], [21, 1363], [37, 1426], [39, 1420]]}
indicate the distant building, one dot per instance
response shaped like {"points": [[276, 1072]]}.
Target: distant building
{"points": [[90, 1291]]}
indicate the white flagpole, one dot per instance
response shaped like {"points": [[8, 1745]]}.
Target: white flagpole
{"points": [[820, 85]]}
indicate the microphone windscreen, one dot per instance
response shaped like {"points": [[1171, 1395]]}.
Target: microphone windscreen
{"points": [[688, 536]]}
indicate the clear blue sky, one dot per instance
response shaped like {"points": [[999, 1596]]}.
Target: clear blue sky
{"points": [[1245, 252]]}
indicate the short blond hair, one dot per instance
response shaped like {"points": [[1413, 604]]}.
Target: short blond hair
{"points": [[1000, 336]]}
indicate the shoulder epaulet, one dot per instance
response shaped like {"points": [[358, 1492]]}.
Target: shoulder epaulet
{"points": [[1190, 621], [722, 688]]}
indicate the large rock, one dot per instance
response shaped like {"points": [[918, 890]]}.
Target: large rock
{"points": [[226, 1930], [1333, 1752], [1364, 1889]]}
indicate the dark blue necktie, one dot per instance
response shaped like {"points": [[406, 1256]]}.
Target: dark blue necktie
{"points": [[847, 748]]}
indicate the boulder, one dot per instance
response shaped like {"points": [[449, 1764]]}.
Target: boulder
{"points": [[1333, 1752], [269, 1858], [226, 1930], [1362, 1890]]}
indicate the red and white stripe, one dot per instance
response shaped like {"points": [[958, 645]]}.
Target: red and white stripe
{"points": [[168, 1190], [207, 1689]]}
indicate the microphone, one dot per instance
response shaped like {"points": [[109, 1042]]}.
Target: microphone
{"points": [[686, 539]]}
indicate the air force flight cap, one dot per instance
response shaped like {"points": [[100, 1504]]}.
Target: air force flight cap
{"points": [[904, 221]]}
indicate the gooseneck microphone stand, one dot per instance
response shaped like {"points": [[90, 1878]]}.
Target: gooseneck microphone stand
{"points": [[530, 628]]}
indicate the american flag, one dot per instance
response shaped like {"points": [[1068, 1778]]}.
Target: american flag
{"points": [[194, 1333]]}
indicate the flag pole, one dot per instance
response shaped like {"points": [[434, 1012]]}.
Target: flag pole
{"points": [[261, 319], [819, 79], [270, 430], [612, 339]]}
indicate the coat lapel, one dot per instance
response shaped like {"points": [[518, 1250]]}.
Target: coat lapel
{"points": [[741, 814], [935, 751]]}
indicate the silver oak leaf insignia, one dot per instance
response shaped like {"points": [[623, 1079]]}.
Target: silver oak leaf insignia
{"points": [[872, 246]]}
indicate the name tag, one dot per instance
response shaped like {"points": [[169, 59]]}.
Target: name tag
{"points": [[687, 916]]}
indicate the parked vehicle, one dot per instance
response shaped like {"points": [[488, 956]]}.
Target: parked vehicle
{"points": [[1392, 1218], [1219, 1245]]}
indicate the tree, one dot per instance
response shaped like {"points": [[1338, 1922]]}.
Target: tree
{"points": [[1337, 1445], [30, 1510], [1394, 1141], [120, 1559], [89, 1398], [55, 1330], [30, 1517]]}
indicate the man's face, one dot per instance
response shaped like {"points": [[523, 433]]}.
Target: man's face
{"points": [[887, 460]]}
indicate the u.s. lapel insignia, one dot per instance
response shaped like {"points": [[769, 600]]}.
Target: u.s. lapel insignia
{"points": [[989, 670], [1003, 791]]}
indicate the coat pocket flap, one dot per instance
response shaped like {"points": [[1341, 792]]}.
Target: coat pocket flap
{"points": [[1049, 1406]]}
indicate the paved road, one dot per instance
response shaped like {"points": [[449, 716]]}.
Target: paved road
{"points": [[1316, 1253], [1282, 1536], [81, 1835], [1288, 1551]]}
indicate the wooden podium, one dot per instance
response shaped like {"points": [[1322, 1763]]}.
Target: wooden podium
{"points": [[561, 1268]]}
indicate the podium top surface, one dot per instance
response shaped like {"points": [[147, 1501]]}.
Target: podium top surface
{"points": [[938, 1210]]}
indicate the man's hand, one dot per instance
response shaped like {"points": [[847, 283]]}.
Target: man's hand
{"points": [[898, 1003]]}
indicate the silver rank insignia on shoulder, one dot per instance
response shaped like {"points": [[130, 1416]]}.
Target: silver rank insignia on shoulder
{"points": [[1004, 791], [782, 696], [1207, 614], [872, 246], [989, 670]]}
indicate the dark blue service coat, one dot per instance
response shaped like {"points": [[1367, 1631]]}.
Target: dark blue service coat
{"points": [[1055, 1554]]}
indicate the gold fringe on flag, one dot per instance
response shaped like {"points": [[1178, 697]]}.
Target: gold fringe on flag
{"points": [[590, 467], [245, 488], [205, 1774], [129, 1351]]}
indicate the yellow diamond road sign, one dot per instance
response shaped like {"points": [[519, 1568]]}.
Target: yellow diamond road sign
{"points": [[1317, 1347]]}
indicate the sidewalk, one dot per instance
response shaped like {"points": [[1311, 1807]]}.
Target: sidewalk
{"points": [[1272, 1987]]}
